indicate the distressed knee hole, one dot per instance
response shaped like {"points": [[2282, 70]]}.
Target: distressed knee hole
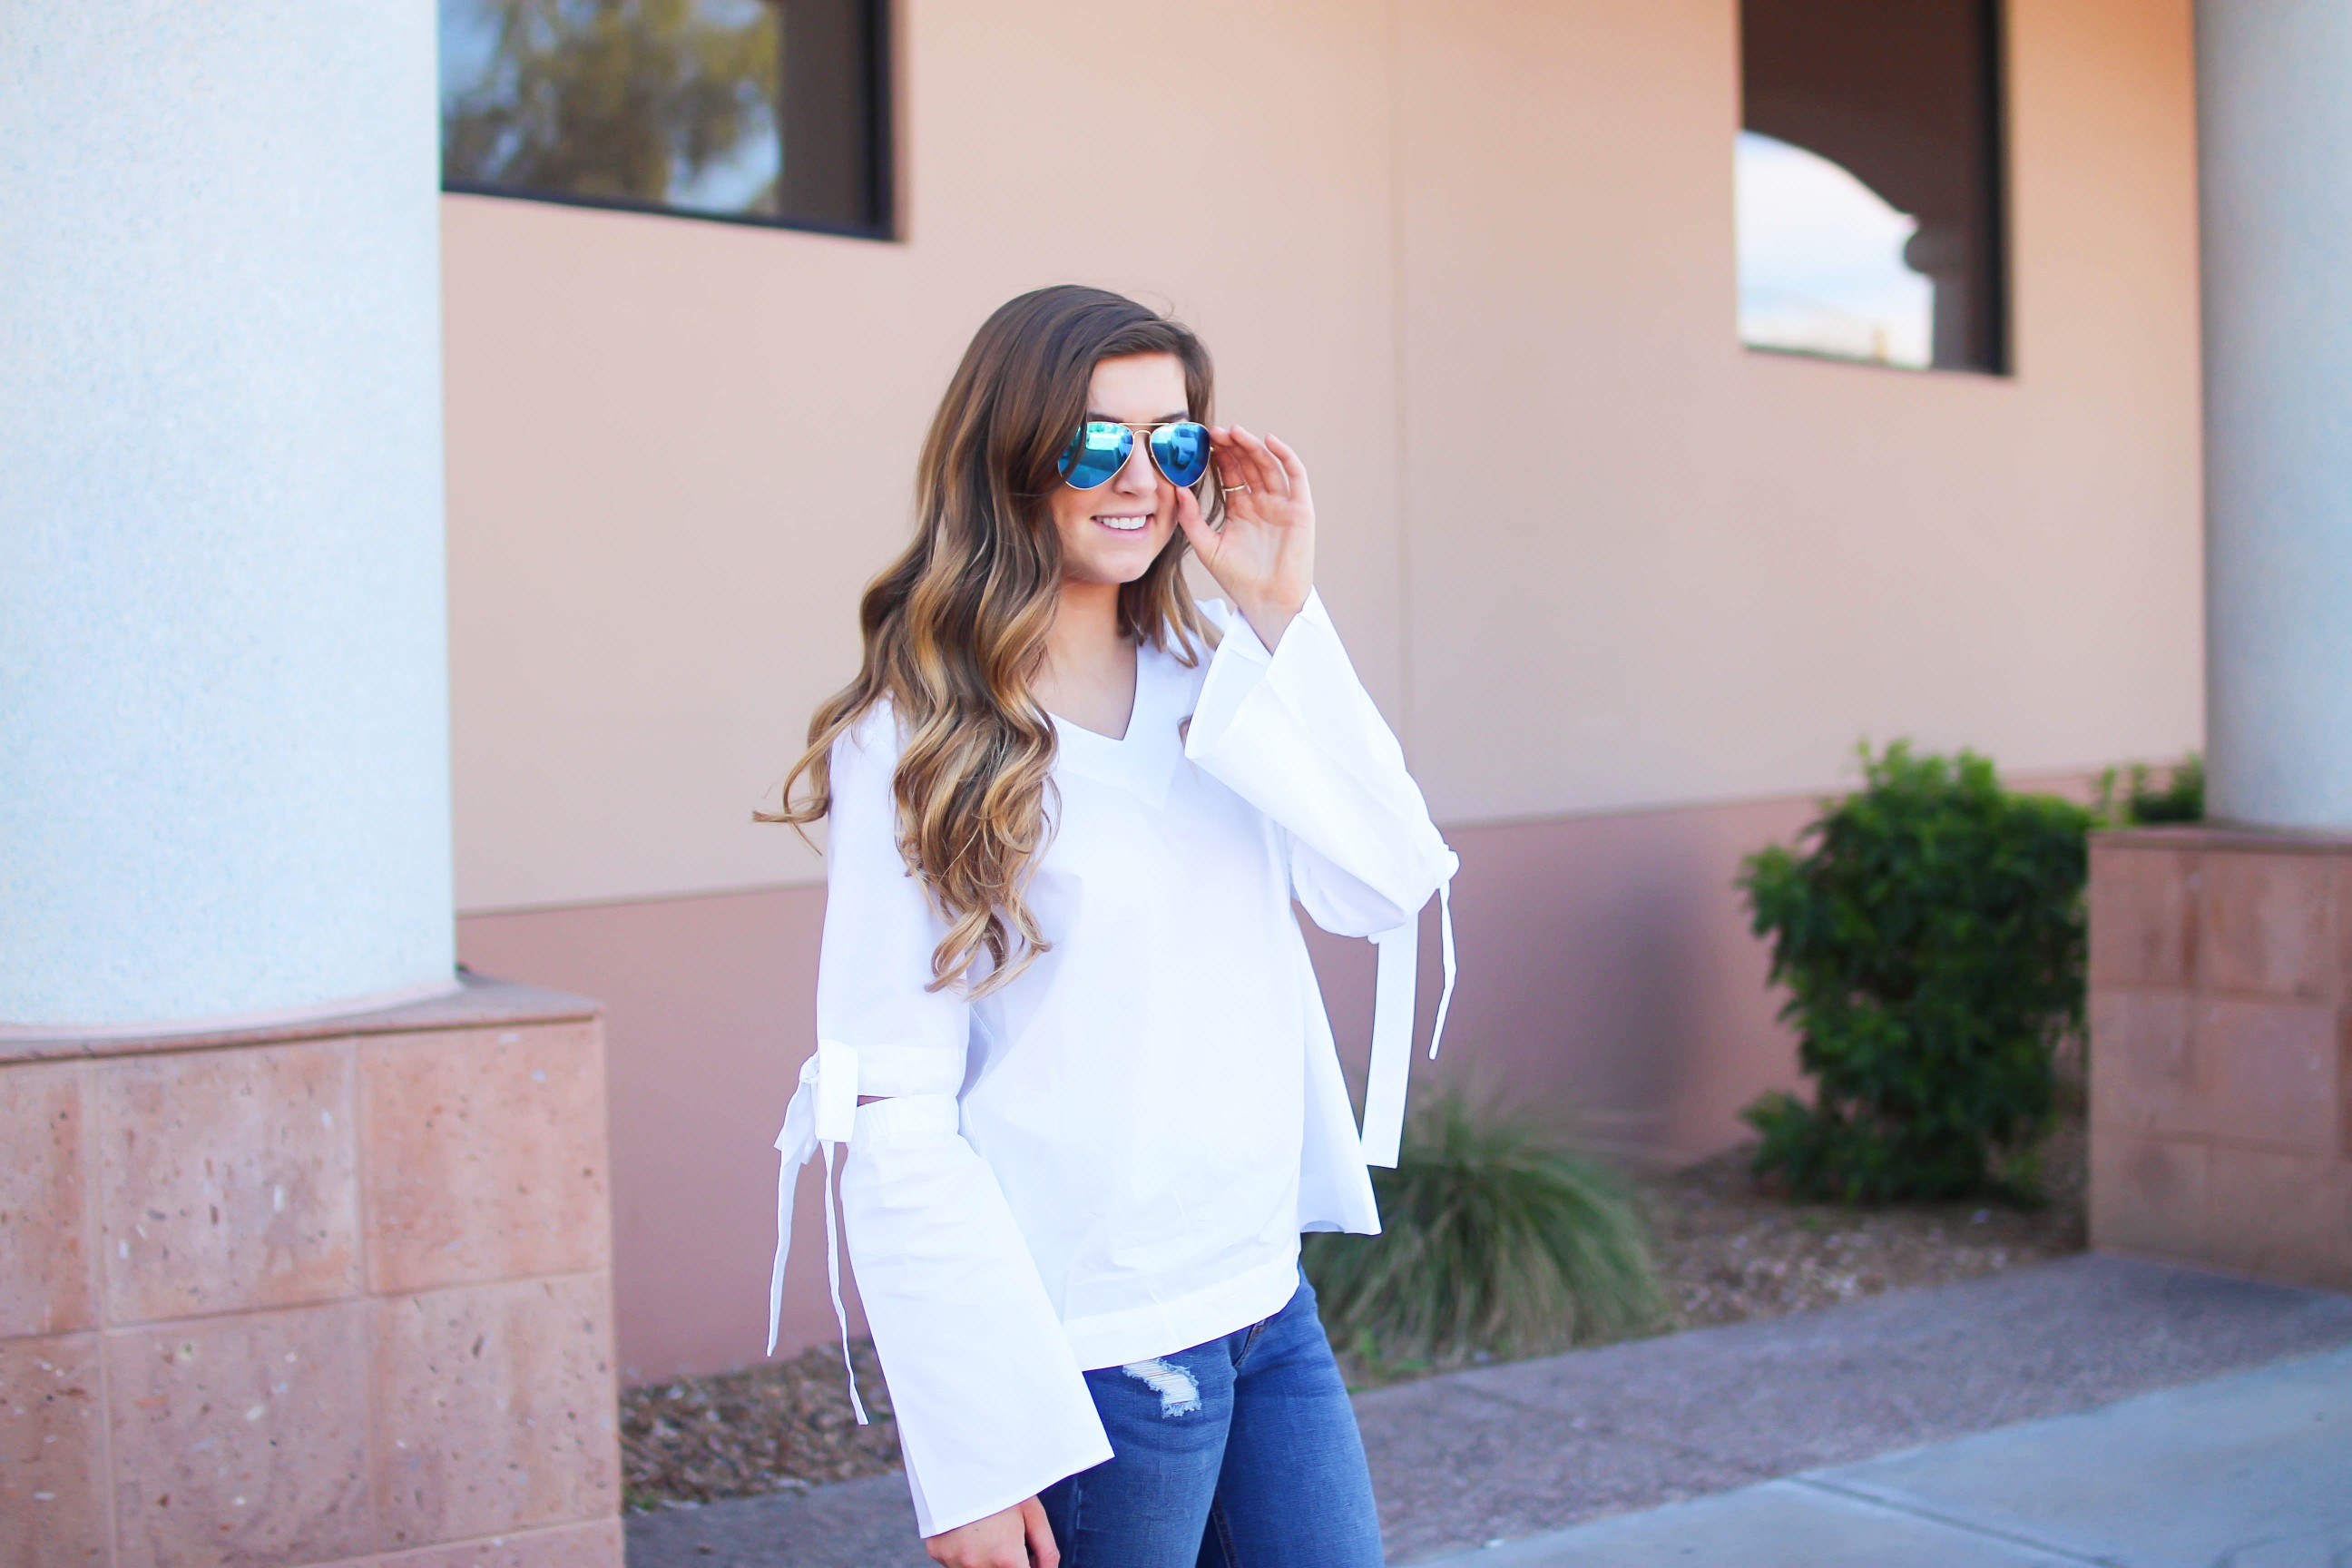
{"points": [[1178, 1394]]}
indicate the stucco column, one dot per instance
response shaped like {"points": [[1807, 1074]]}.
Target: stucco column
{"points": [[224, 753], [2275, 156]]}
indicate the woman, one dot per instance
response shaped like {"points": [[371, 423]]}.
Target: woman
{"points": [[1065, 1013]]}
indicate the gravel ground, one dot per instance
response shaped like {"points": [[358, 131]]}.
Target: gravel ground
{"points": [[783, 1426], [1727, 1252]]}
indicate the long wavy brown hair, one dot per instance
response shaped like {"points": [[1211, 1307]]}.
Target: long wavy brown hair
{"points": [[955, 630]]}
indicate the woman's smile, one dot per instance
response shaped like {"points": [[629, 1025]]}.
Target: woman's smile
{"points": [[1123, 521]]}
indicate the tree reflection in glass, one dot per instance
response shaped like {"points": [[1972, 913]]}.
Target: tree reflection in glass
{"points": [[665, 102]]}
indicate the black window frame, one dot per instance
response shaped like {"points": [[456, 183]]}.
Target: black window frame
{"points": [[1998, 291], [880, 121]]}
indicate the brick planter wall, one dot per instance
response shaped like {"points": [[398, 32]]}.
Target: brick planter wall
{"points": [[330, 1293], [2221, 1050]]}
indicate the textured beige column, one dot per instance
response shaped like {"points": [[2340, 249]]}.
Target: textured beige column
{"points": [[224, 706], [2274, 157]]}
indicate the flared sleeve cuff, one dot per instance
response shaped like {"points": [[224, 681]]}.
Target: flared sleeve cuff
{"points": [[1295, 733], [991, 1403]]}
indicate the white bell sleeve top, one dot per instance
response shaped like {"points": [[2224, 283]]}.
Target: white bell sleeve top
{"points": [[1112, 1158]]}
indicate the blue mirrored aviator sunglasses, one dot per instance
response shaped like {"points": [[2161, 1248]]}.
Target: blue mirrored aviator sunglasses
{"points": [[1102, 446]]}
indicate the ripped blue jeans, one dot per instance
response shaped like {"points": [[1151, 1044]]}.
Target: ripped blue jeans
{"points": [[1239, 1453]]}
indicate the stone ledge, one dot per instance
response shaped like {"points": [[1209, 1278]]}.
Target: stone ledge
{"points": [[2225, 836], [2220, 1054], [315, 1293], [477, 1002]]}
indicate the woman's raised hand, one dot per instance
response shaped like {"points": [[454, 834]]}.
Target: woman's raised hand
{"points": [[1262, 555]]}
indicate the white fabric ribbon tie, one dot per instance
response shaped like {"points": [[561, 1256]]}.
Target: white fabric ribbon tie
{"points": [[823, 1113], [1392, 1003]]}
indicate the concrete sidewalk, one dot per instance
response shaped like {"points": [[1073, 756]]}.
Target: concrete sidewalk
{"points": [[2253, 1470], [1514, 1451]]}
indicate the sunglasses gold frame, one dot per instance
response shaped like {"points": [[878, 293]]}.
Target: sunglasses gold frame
{"points": [[1145, 431]]}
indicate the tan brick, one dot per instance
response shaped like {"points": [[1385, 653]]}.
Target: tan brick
{"points": [[592, 1545], [2266, 1072], [2141, 1062], [485, 1155], [227, 1181], [2149, 1195], [242, 1440], [52, 1481], [45, 1283], [2335, 1268], [495, 1410], [2279, 1215], [2340, 917], [2263, 926], [2143, 915], [2344, 1084]]}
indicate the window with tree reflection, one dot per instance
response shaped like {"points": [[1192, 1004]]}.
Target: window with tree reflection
{"points": [[1868, 172], [760, 110]]}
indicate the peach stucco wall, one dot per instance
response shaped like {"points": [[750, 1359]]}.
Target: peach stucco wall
{"points": [[1474, 259], [1644, 566]]}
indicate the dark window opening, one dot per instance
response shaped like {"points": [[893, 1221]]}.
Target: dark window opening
{"points": [[1869, 173], [757, 111]]}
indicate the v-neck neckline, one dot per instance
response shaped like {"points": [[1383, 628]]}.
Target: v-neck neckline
{"points": [[1140, 761], [1134, 706]]}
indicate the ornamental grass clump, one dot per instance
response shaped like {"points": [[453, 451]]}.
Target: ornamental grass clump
{"points": [[1497, 1240], [1930, 931], [2143, 797]]}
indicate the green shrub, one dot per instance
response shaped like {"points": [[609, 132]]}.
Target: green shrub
{"points": [[1497, 1238], [2142, 802], [1931, 932]]}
